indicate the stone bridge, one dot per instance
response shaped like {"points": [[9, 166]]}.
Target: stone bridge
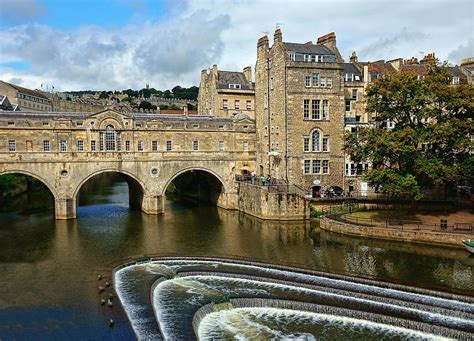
{"points": [[65, 150]]}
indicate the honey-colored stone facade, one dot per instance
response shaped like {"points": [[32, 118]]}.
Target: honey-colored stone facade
{"points": [[64, 150], [283, 123], [226, 93]]}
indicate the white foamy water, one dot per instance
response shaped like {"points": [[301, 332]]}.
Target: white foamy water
{"points": [[280, 324]]}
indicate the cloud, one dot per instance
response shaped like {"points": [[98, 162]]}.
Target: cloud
{"points": [[462, 51], [195, 34], [21, 11]]}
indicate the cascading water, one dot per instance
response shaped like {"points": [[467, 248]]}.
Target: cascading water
{"points": [[218, 298]]}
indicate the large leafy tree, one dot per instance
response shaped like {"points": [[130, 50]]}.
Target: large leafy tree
{"points": [[422, 136]]}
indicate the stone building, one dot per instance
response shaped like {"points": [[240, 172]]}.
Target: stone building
{"points": [[467, 67], [300, 111], [25, 99], [226, 93]]}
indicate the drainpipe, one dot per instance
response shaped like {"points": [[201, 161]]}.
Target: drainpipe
{"points": [[268, 114], [286, 127]]}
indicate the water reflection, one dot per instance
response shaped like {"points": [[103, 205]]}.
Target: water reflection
{"points": [[55, 263]]}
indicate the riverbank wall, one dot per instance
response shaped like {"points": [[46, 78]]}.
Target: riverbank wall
{"points": [[414, 236], [261, 202]]}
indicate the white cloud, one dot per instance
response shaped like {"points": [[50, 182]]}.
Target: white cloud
{"points": [[203, 32]]}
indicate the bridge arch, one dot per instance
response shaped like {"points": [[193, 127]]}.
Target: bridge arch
{"points": [[188, 169], [215, 188], [136, 187], [33, 175]]}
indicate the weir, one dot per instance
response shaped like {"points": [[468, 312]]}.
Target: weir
{"points": [[357, 303]]}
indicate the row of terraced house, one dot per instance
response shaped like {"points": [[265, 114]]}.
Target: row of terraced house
{"points": [[303, 98]]}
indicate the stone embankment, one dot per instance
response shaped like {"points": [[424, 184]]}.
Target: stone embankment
{"points": [[416, 236]]}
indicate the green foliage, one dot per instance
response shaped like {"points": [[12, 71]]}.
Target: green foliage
{"points": [[147, 105], [430, 142], [103, 95]]}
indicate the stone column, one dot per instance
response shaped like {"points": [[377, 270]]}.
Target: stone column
{"points": [[153, 204], [65, 208]]}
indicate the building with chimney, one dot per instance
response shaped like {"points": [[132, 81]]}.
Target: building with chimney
{"points": [[226, 93], [300, 111]]}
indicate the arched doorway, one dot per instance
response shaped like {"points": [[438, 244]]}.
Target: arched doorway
{"points": [[110, 187], [24, 192], [196, 186]]}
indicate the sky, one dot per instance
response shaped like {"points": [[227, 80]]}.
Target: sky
{"points": [[121, 44]]}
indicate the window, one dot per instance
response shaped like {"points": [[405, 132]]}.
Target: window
{"points": [[314, 58], [127, 145], [154, 146], [119, 141], [306, 57], [63, 146], [249, 104], [348, 77], [140, 146], [235, 86], [306, 144], [306, 109], [329, 82], [225, 104], [315, 113], [265, 130], [348, 105], [354, 94], [195, 145], [455, 81], [292, 56], [357, 77], [315, 79], [93, 146], [80, 145], [195, 126], [316, 143], [237, 104], [325, 144], [46, 146], [322, 82], [325, 109], [45, 124], [11, 145], [110, 138], [320, 59], [307, 81], [221, 146], [169, 146], [245, 146], [11, 123], [138, 125], [101, 140], [307, 164], [325, 166], [316, 166]]}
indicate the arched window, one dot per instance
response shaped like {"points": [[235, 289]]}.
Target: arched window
{"points": [[316, 141], [110, 138]]}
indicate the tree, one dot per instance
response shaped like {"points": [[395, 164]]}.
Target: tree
{"points": [[430, 142], [103, 95], [146, 105]]}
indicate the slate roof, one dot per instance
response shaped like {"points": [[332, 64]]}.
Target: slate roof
{"points": [[26, 91], [308, 48], [224, 78], [314, 49], [351, 68]]}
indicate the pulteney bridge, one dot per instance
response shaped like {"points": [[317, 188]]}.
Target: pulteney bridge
{"points": [[64, 150]]}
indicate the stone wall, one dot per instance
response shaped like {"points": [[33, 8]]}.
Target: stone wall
{"points": [[262, 203], [425, 237]]}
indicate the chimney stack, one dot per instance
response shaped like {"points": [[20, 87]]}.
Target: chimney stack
{"points": [[214, 70], [329, 40], [429, 59], [353, 58], [263, 41], [248, 73], [277, 36]]}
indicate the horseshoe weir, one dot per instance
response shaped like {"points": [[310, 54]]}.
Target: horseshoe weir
{"points": [[186, 298]]}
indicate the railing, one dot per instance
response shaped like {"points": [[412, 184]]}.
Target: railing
{"points": [[403, 225]]}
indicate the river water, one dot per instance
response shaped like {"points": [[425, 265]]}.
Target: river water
{"points": [[49, 268]]}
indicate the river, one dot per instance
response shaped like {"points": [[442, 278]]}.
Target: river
{"points": [[49, 268]]}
